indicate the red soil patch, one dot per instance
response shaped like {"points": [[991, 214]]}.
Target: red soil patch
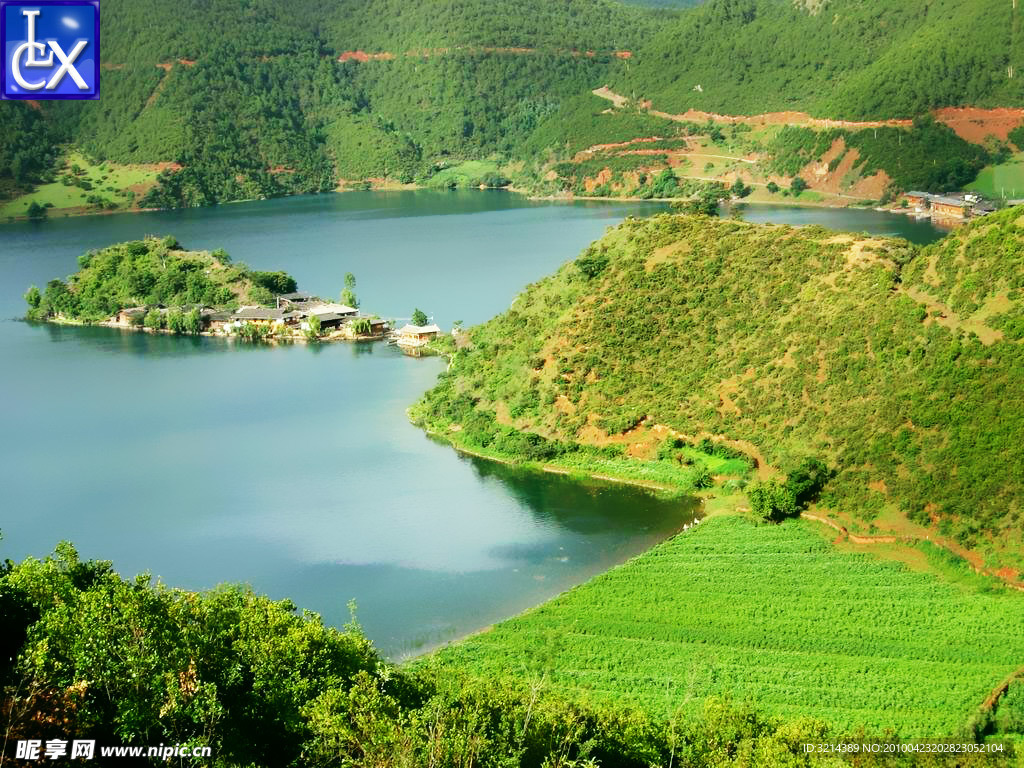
{"points": [[111, 67], [363, 56], [871, 187], [34, 104], [778, 118], [1007, 574], [970, 123], [617, 145], [820, 179], [280, 169], [974, 125], [624, 54], [602, 178]]}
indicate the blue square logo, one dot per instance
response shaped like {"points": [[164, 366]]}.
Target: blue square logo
{"points": [[51, 49]]}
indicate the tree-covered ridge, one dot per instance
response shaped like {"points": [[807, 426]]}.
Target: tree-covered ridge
{"points": [[250, 98], [87, 653], [802, 342], [396, 27], [152, 272], [839, 58]]}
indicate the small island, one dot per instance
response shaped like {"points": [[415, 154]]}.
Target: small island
{"points": [[155, 285]]}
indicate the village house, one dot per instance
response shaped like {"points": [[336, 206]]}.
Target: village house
{"points": [[328, 308], [417, 335], [130, 316], [917, 200], [296, 300], [949, 207], [259, 316], [378, 327]]}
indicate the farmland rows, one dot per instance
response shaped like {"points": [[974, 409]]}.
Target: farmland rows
{"points": [[772, 614]]}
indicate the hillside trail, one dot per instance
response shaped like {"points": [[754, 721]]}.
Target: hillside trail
{"points": [[844, 533], [970, 123]]}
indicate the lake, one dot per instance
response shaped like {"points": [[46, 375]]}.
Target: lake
{"points": [[294, 468]]}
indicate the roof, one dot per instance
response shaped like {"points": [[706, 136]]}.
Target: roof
{"points": [[948, 201], [259, 313], [331, 307], [916, 194], [418, 329], [297, 296], [328, 317]]}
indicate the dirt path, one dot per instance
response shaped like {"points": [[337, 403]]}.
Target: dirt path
{"points": [[1000, 690], [844, 533], [970, 123]]}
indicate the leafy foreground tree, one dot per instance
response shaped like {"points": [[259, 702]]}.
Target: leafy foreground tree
{"points": [[419, 317], [88, 653]]}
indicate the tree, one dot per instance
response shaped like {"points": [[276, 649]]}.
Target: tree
{"points": [[773, 187], [176, 321], [361, 326], [348, 294], [739, 189], [771, 502], [193, 321], [36, 211], [419, 317], [706, 202], [806, 480], [154, 319], [797, 186], [33, 297], [313, 329]]}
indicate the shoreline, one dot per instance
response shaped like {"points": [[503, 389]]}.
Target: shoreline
{"points": [[77, 212], [556, 469], [297, 339]]}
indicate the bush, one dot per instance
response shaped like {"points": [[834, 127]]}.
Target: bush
{"points": [[154, 320]]}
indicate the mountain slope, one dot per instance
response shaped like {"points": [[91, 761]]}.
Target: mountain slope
{"points": [[833, 58], [255, 98], [894, 365]]}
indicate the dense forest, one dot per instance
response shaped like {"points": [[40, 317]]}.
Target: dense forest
{"points": [[243, 100], [838, 58], [887, 362]]}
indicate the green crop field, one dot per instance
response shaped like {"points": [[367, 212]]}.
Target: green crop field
{"points": [[773, 614], [998, 181]]}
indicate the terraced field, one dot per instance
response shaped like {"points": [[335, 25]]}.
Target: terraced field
{"points": [[773, 614]]}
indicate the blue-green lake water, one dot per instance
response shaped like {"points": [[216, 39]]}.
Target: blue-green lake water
{"points": [[294, 468]]}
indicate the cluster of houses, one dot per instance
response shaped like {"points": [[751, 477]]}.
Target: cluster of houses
{"points": [[946, 207], [296, 311]]}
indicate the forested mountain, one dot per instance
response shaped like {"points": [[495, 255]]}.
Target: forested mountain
{"points": [[250, 98], [834, 58], [891, 364]]}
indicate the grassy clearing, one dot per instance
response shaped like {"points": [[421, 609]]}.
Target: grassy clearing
{"points": [[773, 614], [998, 181], [468, 174], [105, 179]]}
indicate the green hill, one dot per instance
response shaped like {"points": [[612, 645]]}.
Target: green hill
{"points": [[892, 364], [834, 58]]}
